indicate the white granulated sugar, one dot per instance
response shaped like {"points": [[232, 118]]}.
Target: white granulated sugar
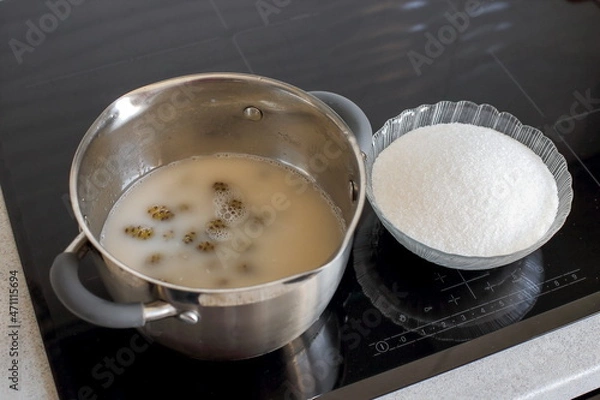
{"points": [[465, 190]]}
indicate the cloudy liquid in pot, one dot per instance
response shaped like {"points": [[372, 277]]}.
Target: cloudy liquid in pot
{"points": [[222, 221]]}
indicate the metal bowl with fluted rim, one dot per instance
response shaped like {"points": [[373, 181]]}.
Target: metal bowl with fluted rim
{"points": [[483, 115]]}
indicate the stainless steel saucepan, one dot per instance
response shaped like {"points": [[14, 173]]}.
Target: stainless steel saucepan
{"points": [[201, 115]]}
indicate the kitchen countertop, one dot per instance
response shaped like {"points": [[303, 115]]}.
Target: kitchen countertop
{"points": [[34, 380], [562, 364]]}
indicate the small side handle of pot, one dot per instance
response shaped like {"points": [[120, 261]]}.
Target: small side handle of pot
{"points": [[352, 114], [65, 281]]}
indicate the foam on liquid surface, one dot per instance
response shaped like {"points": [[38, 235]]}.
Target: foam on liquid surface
{"points": [[465, 190], [223, 221]]}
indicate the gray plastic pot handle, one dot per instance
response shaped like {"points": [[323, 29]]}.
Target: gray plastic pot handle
{"points": [[80, 301], [352, 114]]}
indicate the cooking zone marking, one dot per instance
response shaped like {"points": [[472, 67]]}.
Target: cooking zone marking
{"points": [[450, 322], [466, 283]]}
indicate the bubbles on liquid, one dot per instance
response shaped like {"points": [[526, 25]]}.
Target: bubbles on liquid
{"points": [[217, 229], [220, 198], [229, 204], [233, 211]]}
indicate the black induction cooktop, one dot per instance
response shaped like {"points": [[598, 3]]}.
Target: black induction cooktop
{"points": [[395, 318]]}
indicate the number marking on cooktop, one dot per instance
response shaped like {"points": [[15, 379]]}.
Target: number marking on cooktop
{"points": [[457, 319]]}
